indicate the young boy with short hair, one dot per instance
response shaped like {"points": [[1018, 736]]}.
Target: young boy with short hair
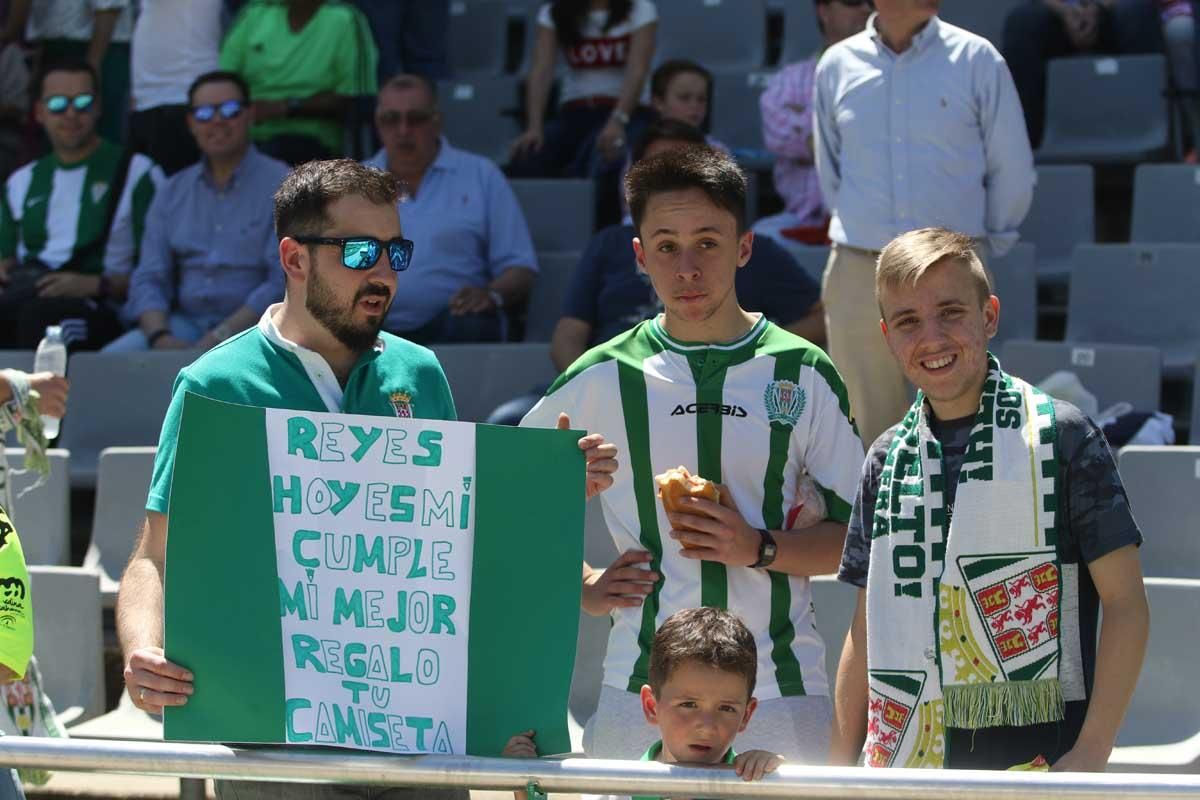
{"points": [[703, 666]]}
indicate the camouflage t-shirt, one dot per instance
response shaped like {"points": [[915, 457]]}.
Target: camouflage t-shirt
{"points": [[1096, 521]]}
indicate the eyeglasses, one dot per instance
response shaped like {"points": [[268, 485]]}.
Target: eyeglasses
{"points": [[230, 109], [361, 252], [854, 3], [59, 103], [414, 118]]}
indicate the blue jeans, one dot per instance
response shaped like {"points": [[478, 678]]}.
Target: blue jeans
{"points": [[186, 328], [411, 36]]}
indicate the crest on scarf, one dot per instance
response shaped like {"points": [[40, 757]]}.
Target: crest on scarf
{"points": [[892, 699], [1017, 597], [402, 403], [785, 403]]}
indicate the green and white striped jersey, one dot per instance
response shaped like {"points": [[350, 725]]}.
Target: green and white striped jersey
{"points": [[49, 210], [751, 414]]}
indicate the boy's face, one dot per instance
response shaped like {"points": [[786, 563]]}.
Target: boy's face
{"points": [[699, 711], [686, 99]]}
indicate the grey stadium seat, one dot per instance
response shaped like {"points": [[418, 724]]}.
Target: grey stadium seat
{"points": [[1166, 203], [42, 515], [478, 36], [69, 643], [1105, 109], [474, 114], [1114, 373], [1194, 427], [1138, 294], [122, 483], [833, 604], [736, 119], [720, 34], [117, 400], [1163, 484], [1015, 277], [1063, 215], [984, 18], [801, 37], [560, 212], [546, 300], [1161, 732], [482, 376]]}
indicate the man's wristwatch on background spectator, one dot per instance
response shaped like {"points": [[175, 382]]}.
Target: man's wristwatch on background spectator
{"points": [[620, 116], [497, 299]]}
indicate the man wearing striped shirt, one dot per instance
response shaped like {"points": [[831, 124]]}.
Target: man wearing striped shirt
{"points": [[740, 402], [58, 260]]}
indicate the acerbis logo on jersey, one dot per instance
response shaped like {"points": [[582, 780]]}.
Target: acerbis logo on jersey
{"points": [[709, 408]]}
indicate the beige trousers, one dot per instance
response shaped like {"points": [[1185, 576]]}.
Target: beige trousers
{"points": [[876, 385]]}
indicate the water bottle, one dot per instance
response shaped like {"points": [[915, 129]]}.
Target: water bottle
{"points": [[51, 356]]}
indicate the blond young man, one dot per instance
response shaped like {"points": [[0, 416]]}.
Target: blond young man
{"points": [[989, 528]]}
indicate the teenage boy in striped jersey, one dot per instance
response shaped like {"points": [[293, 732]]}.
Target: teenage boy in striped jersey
{"points": [[71, 221], [740, 402]]}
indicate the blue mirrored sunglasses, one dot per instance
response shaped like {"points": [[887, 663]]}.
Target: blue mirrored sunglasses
{"points": [[228, 110], [58, 103], [361, 252]]}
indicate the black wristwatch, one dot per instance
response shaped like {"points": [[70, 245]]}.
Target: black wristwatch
{"points": [[766, 550]]}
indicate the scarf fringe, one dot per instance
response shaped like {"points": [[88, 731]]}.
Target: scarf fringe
{"points": [[990, 705]]}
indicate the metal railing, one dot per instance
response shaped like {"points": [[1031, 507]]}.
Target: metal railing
{"points": [[574, 775]]}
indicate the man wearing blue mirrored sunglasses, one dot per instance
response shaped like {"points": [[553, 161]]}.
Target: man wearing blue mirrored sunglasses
{"points": [[209, 265], [321, 349]]}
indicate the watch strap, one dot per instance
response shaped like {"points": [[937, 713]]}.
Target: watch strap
{"points": [[766, 550]]}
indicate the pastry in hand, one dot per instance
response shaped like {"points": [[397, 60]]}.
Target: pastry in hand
{"points": [[676, 484]]}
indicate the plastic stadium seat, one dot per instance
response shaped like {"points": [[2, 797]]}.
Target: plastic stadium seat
{"points": [[546, 300], [116, 400], [801, 37], [474, 114], [1015, 277], [1166, 203], [1163, 484], [478, 36], [833, 604], [1063, 215], [812, 257], [1114, 373], [122, 483], [736, 119], [984, 18], [69, 643], [1138, 294], [720, 34], [482, 376], [43, 515], [560, 212], [1107, 109], [16, 359], [1161, 732], [1194, 427]]}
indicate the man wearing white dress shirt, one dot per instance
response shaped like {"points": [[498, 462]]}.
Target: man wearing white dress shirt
{"points": [[917, 124]]}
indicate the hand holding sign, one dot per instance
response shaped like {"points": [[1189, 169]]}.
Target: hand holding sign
{"points": [[154, 682], [600, 455]]}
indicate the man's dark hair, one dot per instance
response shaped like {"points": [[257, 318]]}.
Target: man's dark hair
{"points": [[712, 637], [410, 80], [303, 199], [219, 76], [692, 167], [570, 16], [64, 65], [668, 70], [673, 129]]}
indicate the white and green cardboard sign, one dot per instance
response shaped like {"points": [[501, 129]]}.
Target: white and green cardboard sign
{"points": [[387, 584]]}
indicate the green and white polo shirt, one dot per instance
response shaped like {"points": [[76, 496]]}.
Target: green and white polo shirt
{"points": [[259, 367], [751, 414], [49, 210]]}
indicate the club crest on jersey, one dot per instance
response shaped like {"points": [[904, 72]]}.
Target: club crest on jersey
{"points": [[402, 403], [785, 403]]}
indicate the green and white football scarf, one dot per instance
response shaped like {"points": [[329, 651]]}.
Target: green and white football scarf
{"points": [[21, 413], [963, 602]]}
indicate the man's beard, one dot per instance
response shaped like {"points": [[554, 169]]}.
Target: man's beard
{"points": [[322, 304]]}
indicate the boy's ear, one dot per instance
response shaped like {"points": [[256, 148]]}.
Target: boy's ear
{"points": [[649, 705], [750, 708]]}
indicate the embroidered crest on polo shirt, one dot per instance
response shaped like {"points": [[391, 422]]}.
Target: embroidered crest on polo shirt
{"points": [[785, 403], [402, 403]]}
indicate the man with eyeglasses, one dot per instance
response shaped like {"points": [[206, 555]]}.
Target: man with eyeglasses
{"points": [[787, 123], [477, 260], [209, 258], [70, 222], [341, 248]]}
